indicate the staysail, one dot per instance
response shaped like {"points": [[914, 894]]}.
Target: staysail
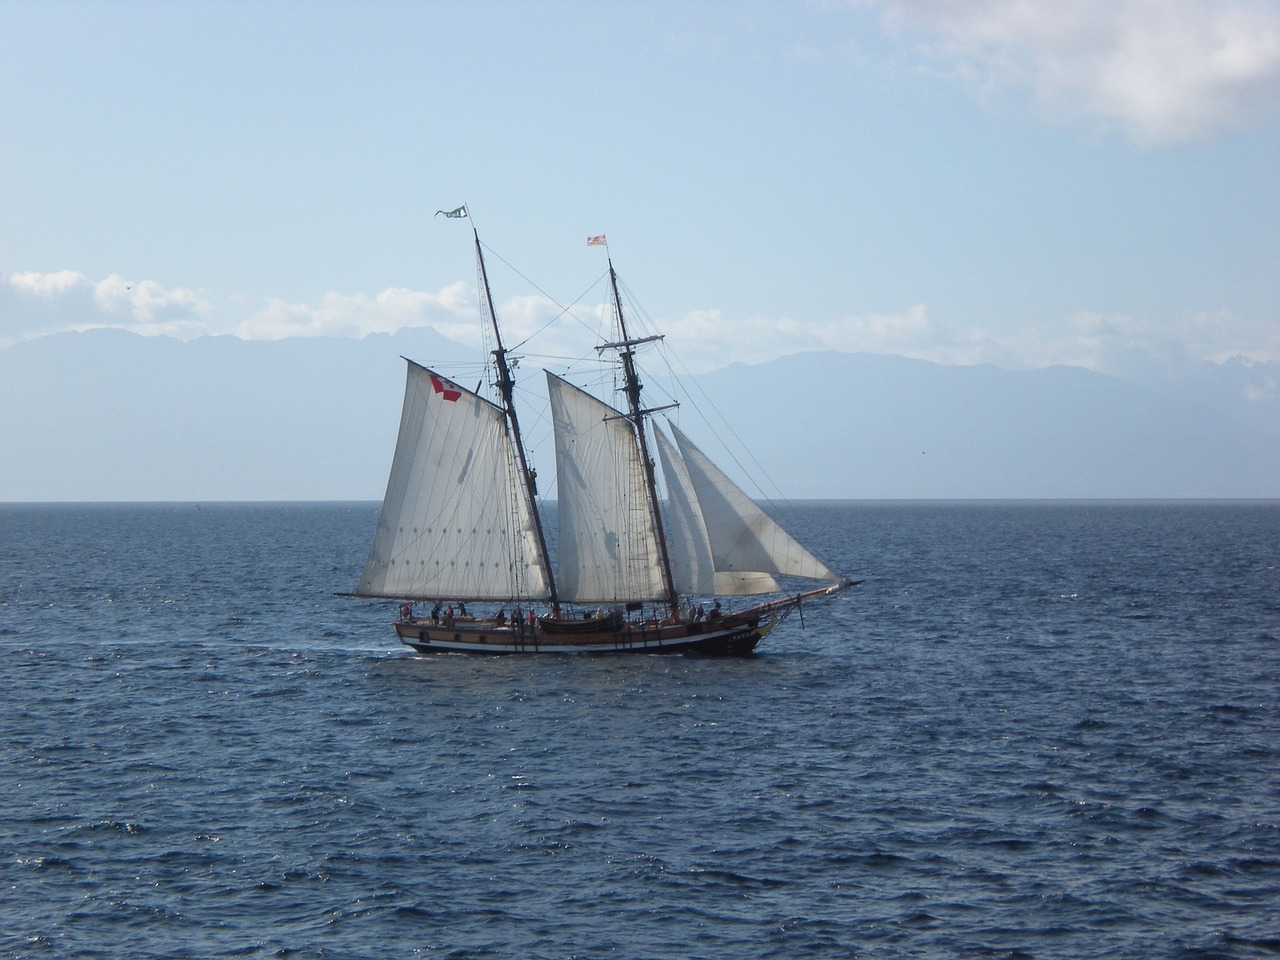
{"points": [[691, 562], [608, 550], [456, 522], [693, 565], [746, 545]]}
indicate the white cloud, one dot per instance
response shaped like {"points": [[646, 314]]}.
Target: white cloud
{"points": [[701, 340], [357, 315], [1145, 348], [1125, 346], [48, 285], [35, 304], [706, 339], [1162, 71], [146, 307]]}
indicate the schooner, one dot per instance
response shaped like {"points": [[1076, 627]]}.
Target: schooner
{"points": [[633, 573]]}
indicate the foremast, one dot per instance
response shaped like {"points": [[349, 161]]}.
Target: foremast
{"points": [[505, 384], [637, 414]]}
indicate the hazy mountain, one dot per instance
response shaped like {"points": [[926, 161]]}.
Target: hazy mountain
{"points": [[108, 415], [894, 427], [1241, 389]]}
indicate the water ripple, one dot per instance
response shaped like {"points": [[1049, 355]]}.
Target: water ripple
{"points": [[1038, 731]]}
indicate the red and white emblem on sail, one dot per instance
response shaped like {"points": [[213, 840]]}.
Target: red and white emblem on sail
{"points": [[450, 391]]}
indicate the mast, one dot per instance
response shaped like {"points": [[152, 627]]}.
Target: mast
{"points": [[626, 350], [506, 388]]}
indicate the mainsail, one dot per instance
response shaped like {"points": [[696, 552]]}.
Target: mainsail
{"points": [[608, 549], [456, 522]]}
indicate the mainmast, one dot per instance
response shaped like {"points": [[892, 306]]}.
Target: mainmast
{"points": [[506, 388], [625, 348]]}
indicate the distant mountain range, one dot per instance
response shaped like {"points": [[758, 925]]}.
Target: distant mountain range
{"points": [[109, 415]]}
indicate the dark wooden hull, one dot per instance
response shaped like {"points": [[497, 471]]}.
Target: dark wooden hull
{"points": [[735, 635]]}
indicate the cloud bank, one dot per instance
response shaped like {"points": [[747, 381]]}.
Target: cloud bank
{"points": [[35, 304], [1161, 71], [1130, 347], [358, 315]]}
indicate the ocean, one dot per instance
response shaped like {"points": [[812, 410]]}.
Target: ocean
{"points": [[1040, 730]]}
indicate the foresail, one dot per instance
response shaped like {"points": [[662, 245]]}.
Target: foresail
{"points": [[456, 522], [744, 540], [608, 550]]}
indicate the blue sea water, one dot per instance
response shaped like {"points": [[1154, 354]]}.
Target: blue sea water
{"points": [[1037, 730]]}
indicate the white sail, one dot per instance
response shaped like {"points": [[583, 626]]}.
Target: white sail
{"points": [[456, 522], [608, 550], [743, 538], [692, 565]]}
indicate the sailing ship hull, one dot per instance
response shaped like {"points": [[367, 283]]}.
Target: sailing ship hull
{"points": [[735, 636]]}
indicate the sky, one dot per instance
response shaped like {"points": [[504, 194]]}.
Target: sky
{"points": [[1015, 182]]}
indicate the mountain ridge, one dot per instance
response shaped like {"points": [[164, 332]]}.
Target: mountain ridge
{"points": [[112, 415]]}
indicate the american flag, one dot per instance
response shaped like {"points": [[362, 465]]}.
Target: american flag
{"points": [[596, 241]]}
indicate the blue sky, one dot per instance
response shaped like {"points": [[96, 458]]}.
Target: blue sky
{"points": [[1007, 181]]}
